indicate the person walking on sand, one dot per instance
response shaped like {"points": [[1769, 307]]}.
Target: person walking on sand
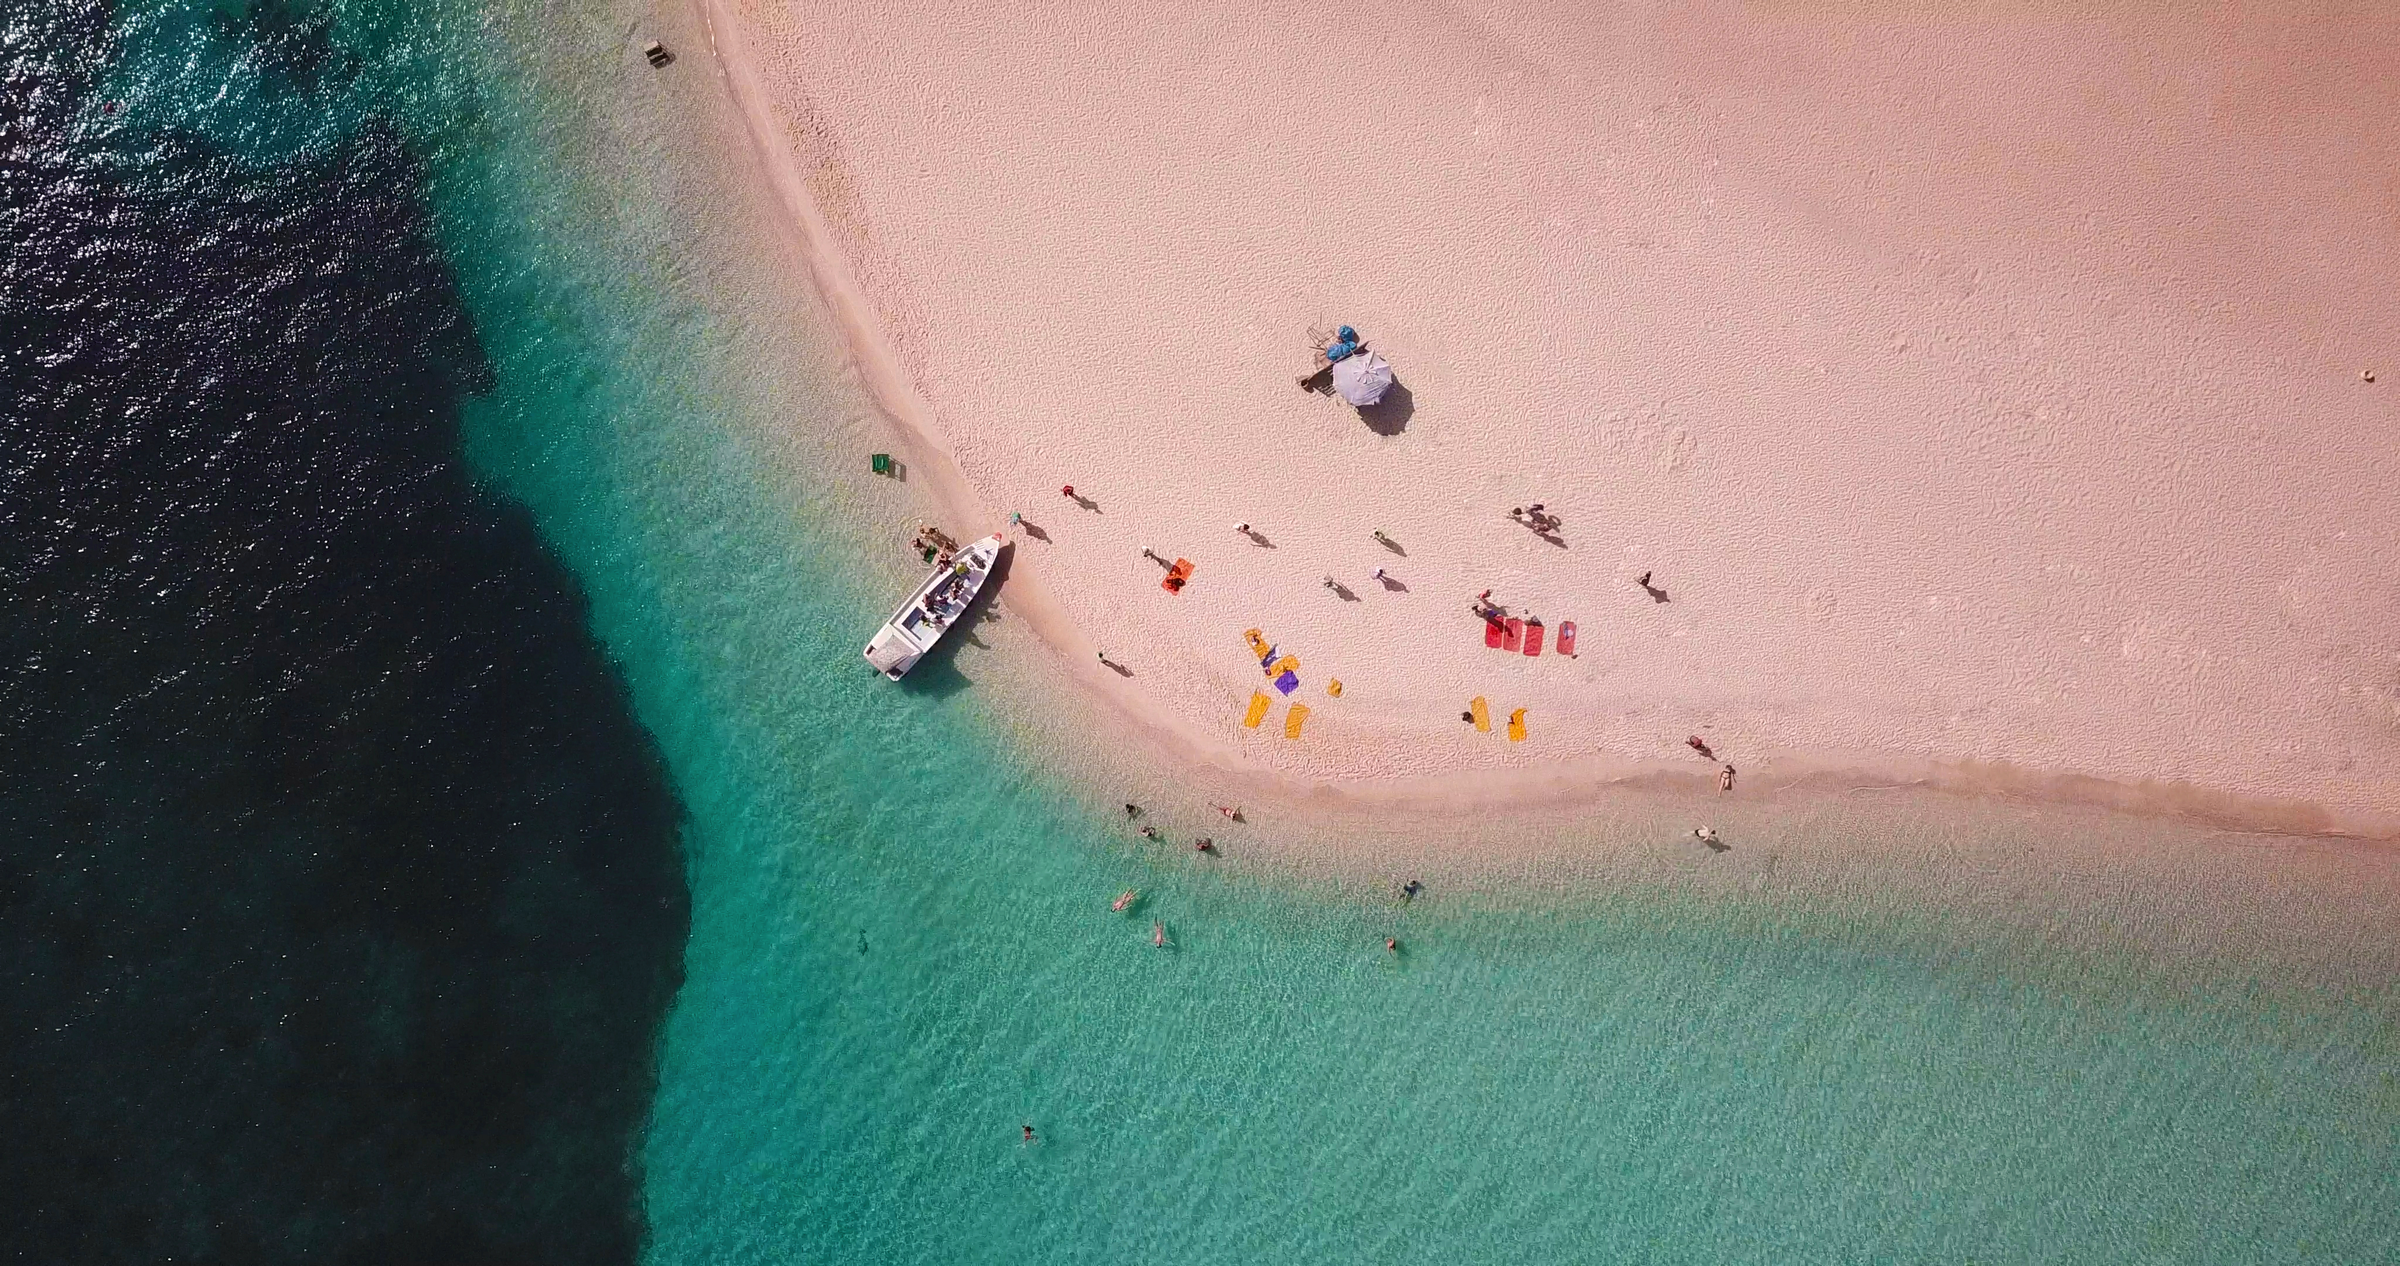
{"points": [[1105, 660], [1381, 538], [1067, 491], [1725, 779]]}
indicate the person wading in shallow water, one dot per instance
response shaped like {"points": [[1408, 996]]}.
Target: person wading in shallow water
{"points": [[1028, 1133]]}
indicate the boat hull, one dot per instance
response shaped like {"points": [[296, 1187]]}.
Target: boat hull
{"points": [[930, 613]]}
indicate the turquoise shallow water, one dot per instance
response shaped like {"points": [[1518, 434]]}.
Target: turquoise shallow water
{"points": [[901, 948]]}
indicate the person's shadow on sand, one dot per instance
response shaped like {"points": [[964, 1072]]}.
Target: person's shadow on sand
{"points": [[1390, 415]]}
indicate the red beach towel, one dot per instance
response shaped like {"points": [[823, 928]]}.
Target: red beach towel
{"points": [[1533, 637], [1512, 633], [1491, 634], [1566, 638]]}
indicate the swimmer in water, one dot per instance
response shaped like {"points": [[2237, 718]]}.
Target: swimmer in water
{"points": [[1158, 933], [1203, 844], [1028, 1133], [1149, 833], [1391, 945], [1409, 890]]}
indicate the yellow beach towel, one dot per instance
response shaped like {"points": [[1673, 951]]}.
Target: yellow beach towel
{"points": [[1516, 726], [1260, 701], [1483, 714], [1334, 687], [1292, 720], [1288, 664]]}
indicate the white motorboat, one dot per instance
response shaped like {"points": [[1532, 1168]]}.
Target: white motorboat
{"points": [[933, 608]]}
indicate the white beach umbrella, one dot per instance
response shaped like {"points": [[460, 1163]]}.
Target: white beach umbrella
{"points": [[1362, 378]]}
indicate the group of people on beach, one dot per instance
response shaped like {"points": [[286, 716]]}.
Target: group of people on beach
{"points": [[1538, 517], [934, 543]]}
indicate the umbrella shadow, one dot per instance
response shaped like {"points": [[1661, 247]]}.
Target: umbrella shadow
{"points": [[1392, 585], [1390, 415]]}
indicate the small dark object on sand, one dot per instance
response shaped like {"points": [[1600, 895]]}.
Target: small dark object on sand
{"points": [[658, 55], [1132, 810], [1467, 717]]}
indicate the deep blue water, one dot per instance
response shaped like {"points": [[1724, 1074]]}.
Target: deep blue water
{"points": [[340, 892]]}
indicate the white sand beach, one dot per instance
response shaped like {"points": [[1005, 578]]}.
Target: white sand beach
{"points": [[2000, 397]]}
